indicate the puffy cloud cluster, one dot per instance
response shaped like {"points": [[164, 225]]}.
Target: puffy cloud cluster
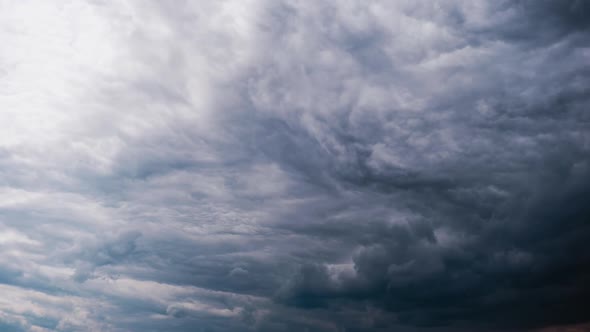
{"points": [[294, 165]]}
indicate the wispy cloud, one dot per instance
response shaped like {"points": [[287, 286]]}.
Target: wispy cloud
{"points": [[294, 165]]}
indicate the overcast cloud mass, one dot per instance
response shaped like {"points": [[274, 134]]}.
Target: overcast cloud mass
{"points": [[295, 165]]}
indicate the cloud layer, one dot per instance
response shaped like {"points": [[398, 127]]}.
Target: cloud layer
{"points": [[294, 165]]}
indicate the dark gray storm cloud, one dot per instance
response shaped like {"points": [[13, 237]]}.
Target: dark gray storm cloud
{"points": [[295, 166]]}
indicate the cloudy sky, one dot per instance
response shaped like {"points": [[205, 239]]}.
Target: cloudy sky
{"points": [[295, 165]]}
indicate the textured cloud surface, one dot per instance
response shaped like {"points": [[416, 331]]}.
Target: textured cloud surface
{"points": [[354, 165]]}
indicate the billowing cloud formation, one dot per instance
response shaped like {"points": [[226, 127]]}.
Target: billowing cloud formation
{"points": [[294, 165]]}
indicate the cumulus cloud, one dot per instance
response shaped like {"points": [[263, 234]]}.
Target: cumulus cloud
{"points": [[294, 165]]}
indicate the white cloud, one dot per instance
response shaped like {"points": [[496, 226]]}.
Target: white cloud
{"points": [[165, 165]]}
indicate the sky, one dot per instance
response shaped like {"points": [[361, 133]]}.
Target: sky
{"points": [[295, 165]]}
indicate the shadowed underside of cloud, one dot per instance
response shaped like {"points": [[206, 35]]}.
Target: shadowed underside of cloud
{"points": [[294, 166]]}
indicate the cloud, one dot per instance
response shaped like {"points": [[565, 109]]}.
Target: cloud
{"points": [[291, 165]]}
